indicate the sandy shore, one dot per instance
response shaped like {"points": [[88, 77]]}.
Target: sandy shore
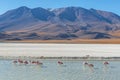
{"points": [[74, 41]]}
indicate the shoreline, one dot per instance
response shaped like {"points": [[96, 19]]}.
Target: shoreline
{"points": [[61, 58]]}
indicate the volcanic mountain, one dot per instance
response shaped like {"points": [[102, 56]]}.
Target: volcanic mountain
{"points": [[61, 23]]}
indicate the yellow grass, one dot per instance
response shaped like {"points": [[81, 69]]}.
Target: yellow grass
{"points": [[76, 41], [115, 33]]}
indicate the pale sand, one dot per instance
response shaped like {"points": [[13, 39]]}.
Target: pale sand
{"points": [[58, 50]]}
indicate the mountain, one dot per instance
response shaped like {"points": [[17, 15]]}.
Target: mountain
{"points": [[61, 23]]}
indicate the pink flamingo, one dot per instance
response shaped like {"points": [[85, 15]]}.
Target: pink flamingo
{"points": [[85, 63], [20, 61], [91, 65], [33, 62], [59, 62], [39, 63], [106, 63], [25, 62]]}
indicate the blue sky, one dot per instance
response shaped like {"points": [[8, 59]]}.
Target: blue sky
{"points": [[107, 5]]}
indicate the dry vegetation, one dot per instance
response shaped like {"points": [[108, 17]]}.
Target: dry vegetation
{"points": [[115, 33], [75, 41]]}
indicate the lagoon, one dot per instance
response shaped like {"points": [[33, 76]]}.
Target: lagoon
{"points": [[51, 70]]}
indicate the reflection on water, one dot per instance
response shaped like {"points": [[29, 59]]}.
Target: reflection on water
{"points": [[51, 70], [105, 68]]}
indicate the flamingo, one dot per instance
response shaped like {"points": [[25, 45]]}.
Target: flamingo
{"points": [[33, 62], [91, 65], [59, 62], [85, 63], [25, 62], [39, 63], [106, 63], [20, 61]]}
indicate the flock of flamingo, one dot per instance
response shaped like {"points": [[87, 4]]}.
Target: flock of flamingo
{"points": [[40, 63], [19, 61], [91, 65]]}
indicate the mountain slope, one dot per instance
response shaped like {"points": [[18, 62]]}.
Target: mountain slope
{"points": [[60, 23]]}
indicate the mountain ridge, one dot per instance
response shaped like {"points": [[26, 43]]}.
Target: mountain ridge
{"points": [[61, 23]]}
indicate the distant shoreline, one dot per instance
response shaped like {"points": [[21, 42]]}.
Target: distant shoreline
{"points": [[74, 41], [61, 58]]}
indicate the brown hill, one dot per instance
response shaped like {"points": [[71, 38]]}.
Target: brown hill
{"points": [[61, 23]]}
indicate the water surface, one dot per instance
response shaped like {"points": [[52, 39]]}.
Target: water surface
{"points": [[51, 70]]}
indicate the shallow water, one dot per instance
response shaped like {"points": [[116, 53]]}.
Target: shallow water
{"points": [[50, 70]]}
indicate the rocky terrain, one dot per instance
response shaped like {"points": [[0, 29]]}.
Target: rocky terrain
{"points": [[25, 23]]}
